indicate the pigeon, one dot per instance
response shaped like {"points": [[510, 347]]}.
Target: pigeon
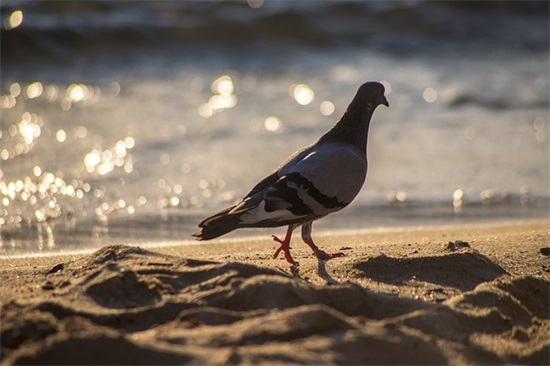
{"points": [[315, 181]]}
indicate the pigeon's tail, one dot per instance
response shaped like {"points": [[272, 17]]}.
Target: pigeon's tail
{"points": [[218, 225]]}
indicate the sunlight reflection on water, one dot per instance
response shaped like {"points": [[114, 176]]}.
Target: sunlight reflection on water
{"points": [[223, 97], [107, 181], [189, 129], [302, 94]]}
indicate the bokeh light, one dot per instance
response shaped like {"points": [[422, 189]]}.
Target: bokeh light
{"points": [[104, 162], [77, 92], [7, 101], [255, 4], [60, 136], [387, 87], [430, 95], [29, 127], [327, 108], [272, 124], [34, 90], [14, 20], [223, 85], [302, 93], [223, 97]]}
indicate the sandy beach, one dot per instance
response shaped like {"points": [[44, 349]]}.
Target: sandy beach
{"points": [[440, 295]]}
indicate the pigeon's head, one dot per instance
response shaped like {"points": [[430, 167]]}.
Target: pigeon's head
{"points": [[372, 92]]}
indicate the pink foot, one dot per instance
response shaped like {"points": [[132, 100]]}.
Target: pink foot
{"points": [[320, 254], [285, 247]]}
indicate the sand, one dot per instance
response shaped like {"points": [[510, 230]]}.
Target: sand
{"points": [[443, 295]]}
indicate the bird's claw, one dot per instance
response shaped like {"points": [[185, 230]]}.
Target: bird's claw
{"points": [[285, 247]]}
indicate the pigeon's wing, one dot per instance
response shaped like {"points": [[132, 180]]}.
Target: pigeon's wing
{"points": [[263, 184], [327, 179], [276, 174]]}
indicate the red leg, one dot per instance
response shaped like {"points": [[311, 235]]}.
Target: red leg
{"points": [[285, 245], [319, 253]]}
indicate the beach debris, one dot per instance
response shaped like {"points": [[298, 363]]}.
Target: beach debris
{"points": [[545, 251], [345, 248], [313, 182], [56, 268], [453, 246]]}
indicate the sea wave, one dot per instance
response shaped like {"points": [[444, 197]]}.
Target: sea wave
{"points": [[54, 29]]}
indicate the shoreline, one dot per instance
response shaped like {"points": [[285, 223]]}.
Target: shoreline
{"points": [[177, 225], [264, 239]]}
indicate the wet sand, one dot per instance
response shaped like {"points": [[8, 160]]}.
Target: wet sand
{"points": [[442, 295]]}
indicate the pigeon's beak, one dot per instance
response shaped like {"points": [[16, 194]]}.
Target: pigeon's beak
{"points": [[385, 101]]}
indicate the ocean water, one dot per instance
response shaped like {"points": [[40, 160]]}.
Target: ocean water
{"points": [[132, 121]]}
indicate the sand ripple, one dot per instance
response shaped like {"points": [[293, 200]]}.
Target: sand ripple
{"points": [[125, 305]]}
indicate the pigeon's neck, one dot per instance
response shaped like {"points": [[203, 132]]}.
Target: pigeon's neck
{"points": [[353, 127]]}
